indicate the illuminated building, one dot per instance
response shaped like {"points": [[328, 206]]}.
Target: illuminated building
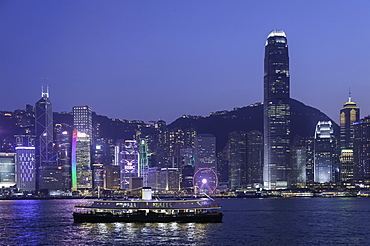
{"points": [[361, 149], [299, 158], [154, 178], [237, 159], [187, 168], [205, 151], [112, 177], [276, 129], [81, 164], [7, 170], [347, 165], [63, 138], [170, 179], [143, 161], [254, 157], [82, 119], [128, 159], [25, 168], [48, 173], [325, 153], [349, 114]]}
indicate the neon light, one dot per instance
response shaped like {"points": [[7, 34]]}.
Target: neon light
{"points": [[74, 160], [23, 147]]}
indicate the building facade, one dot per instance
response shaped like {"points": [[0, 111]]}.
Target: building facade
{"points": [[325, 153], [276, 107]]}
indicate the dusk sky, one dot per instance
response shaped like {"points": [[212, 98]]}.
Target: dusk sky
{"points": [[150, 60]]}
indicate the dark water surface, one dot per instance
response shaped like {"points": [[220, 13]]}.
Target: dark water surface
{"points": [[289, 221]]}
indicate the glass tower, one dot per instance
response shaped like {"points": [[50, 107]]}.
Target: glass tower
{"points": [[276, 127]]}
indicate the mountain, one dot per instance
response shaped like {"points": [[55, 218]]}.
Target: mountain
{"points": [[303, 121]]}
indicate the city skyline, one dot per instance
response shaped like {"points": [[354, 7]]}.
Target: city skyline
{"points": [[151, 61]]}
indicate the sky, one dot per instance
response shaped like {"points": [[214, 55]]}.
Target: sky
{"points": [[151, 60]]}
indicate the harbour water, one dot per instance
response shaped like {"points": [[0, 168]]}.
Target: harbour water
{"points": [[268, 221]]}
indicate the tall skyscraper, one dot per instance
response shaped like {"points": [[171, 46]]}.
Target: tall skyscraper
{"points": [[205, 151], [325, 153], [82, 173], [361, 150], [276, 107], [237, 159], [48, 174], [254, 159], [82, 119], [349, 114]]}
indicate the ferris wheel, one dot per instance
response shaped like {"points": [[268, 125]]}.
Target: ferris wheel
{"points": [[205, 180]]}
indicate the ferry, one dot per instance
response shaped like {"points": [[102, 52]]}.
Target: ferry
{"points": [[146, 209]]}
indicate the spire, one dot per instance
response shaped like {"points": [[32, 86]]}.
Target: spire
{"points": [[45, 94], [349, 95]]}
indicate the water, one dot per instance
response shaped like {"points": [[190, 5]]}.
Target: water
{"points": [[281, 221]]}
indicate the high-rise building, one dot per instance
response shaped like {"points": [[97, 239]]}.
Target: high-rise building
{"points": [[205, 151], [82, 172], [349, 114], [170, 179], [325, 153], [143, 161], [361, 150], [81, 164], [63, 138], [25, 168], [254, 174], [237, 160], [7, 170], [82, 119], [128, 159], [48, 173], [276, 107]]}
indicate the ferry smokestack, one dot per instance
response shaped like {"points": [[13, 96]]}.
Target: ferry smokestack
{"points": [[146, 193]]}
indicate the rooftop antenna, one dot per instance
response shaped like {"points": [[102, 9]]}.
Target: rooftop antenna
{"points": [[349, 95], [43, 92]]}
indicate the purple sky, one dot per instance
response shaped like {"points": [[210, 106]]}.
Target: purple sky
{"points": [[151, 60]]}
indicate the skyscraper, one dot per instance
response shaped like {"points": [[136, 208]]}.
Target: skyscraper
{"points": [[48, 173], [276, 127], [325, 153], [349, 114], [82, 173], [205, 151], [25, 168]]}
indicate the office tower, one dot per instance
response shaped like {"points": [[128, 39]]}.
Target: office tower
{"points": [[237, 159], [170, 179], [82, 173], [82, 119], [143, 161], [347, 165], [7, 170], [299, 162], [223, 166], [128, 159], [112, 177], [81, 163], [25, 168], [325, 153], [349, 114], [187, 174], [254, 159], [205, 151], [276, 108], [63, 139], [154, 178], [361, 149], [48, 173]]}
